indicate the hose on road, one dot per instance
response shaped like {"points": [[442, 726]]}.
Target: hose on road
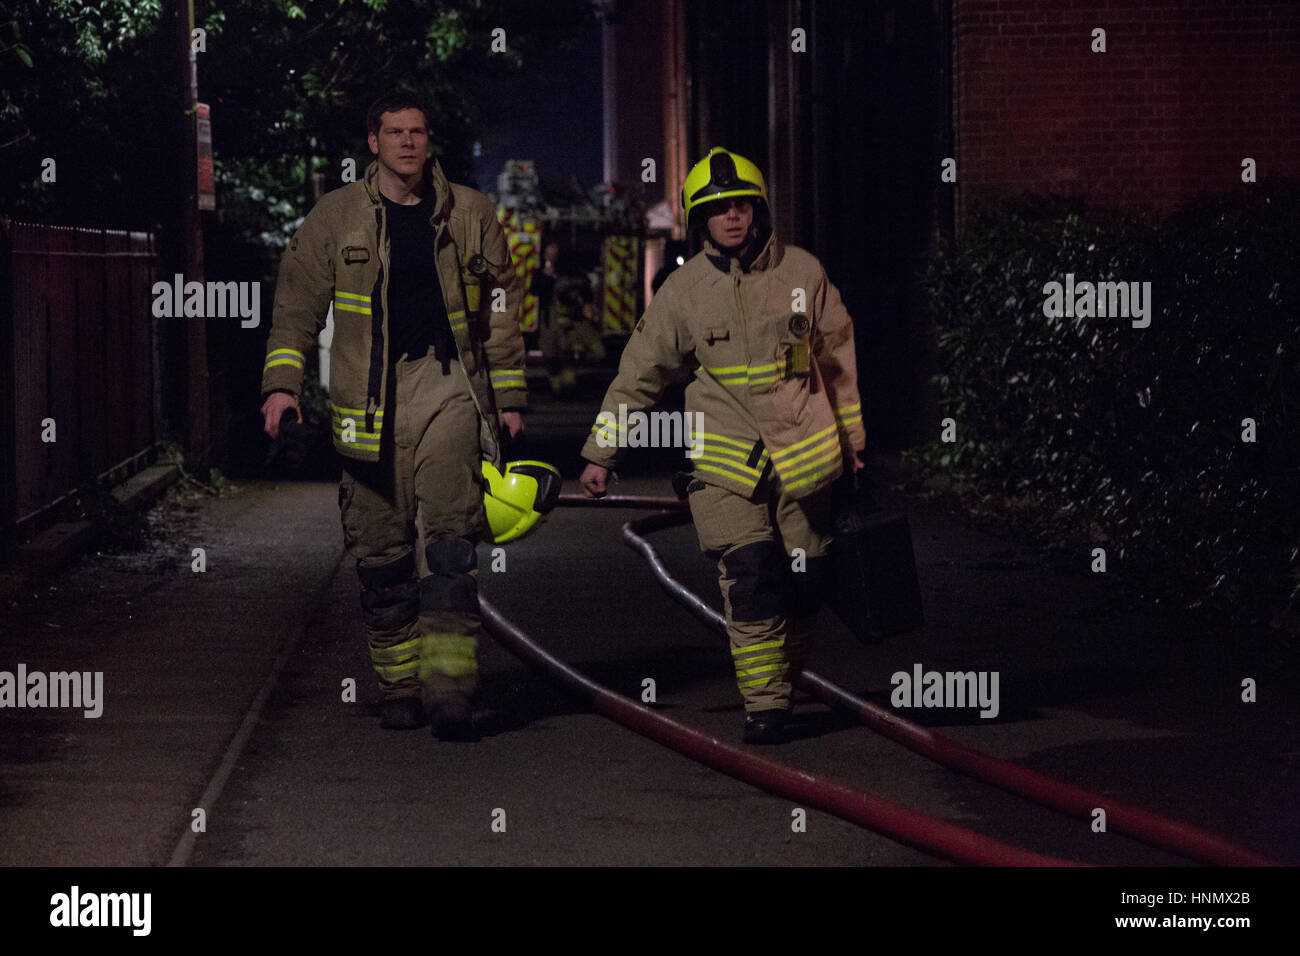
{"points": [[883, 816], [1142, 825]]}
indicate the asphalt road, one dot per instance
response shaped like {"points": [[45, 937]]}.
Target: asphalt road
{"points": [[224, 692]]}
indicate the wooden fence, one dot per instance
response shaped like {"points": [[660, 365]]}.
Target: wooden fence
{"points": [[78, 362]]}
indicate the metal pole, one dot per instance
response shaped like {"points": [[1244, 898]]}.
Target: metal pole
{"points": [[197, 398]]}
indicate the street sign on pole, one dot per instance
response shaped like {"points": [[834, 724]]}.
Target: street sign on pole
{"points": [[207, 190]]}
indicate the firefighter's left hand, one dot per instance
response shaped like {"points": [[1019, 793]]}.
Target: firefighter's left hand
{"points": [[513, 421], [856, 463]]}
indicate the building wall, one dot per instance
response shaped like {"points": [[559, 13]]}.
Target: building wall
{"points": [[1185, 91]]}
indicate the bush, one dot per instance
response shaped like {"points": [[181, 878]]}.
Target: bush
{"points": [[1126, 437]]}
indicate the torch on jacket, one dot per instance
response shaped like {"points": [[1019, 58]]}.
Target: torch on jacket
{"points": [[340, 255], [774, 375]]}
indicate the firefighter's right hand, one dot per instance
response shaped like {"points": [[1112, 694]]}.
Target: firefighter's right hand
{"points": [[593, 481], [275, 405]]}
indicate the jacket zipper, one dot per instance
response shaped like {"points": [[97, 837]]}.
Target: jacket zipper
{"points": [[376, 326]]}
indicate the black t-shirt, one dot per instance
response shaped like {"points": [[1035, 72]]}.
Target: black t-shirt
{"points": [[417, 316]]}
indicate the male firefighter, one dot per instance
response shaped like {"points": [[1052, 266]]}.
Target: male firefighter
{"points": [[768, 347], [426, 349]]}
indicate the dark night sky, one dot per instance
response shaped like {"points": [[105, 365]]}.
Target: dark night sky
{"points": [[549, 112]]}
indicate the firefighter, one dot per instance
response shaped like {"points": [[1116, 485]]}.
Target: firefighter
{"points": [[423, 357], [767, 346]]}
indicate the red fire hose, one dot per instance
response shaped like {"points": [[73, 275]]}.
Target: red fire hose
{"points": [[883, 816], [1142, 825]]}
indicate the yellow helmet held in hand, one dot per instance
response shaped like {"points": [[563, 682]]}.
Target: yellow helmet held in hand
{"points": [[517, 500], [721, 175]]}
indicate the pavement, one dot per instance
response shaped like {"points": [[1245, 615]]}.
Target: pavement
{"points": [[225, 702]]}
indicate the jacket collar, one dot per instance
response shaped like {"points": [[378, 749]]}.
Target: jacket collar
{"points": [[433, 177], [767, 257]]}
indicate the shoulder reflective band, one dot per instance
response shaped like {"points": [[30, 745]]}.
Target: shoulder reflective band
{"points": [[284, 357]]}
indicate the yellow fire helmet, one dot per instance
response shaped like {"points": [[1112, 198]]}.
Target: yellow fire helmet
{"points": [[517, 500], [721, 175]]}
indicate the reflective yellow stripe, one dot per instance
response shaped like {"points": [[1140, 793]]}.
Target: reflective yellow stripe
{"points": [[786, 453], [765, 645], [748, 375], [352, 297], [747, 446], [760, 659], [750, 473], [452, 655], [748, 480], [343, 410], [849, 414], [358, 421], [783, 464], [395, 672], [272, 363], [823, 465], [737, 453], [397, 654], [765, 669], [760, 680], [809, 479]]}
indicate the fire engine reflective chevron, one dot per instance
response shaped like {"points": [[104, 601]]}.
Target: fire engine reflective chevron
{"points": [[522, 235], [619, 254], [340, 256], [770, 390]]}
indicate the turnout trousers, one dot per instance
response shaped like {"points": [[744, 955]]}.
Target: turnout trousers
{"points": [[422, 631], [771, 553]]}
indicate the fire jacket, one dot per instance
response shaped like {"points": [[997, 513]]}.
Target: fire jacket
{"points": [[340, 255], [770, 355]]}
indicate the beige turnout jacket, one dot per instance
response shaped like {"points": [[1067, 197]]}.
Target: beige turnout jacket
{"points": [[770, 358], [340, 255]]}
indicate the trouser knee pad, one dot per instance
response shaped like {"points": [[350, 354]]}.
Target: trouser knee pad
{"points": [[389, 595], [451, 584], [756, 571]]}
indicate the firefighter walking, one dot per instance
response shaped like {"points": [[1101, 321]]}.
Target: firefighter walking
{"points": [[767, 346], [426, 349]]}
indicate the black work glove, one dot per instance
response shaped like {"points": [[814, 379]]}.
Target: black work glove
{"points": [[293, 442]]}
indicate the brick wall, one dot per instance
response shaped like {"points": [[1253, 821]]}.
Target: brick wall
{"points": [[1185, 91]]}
